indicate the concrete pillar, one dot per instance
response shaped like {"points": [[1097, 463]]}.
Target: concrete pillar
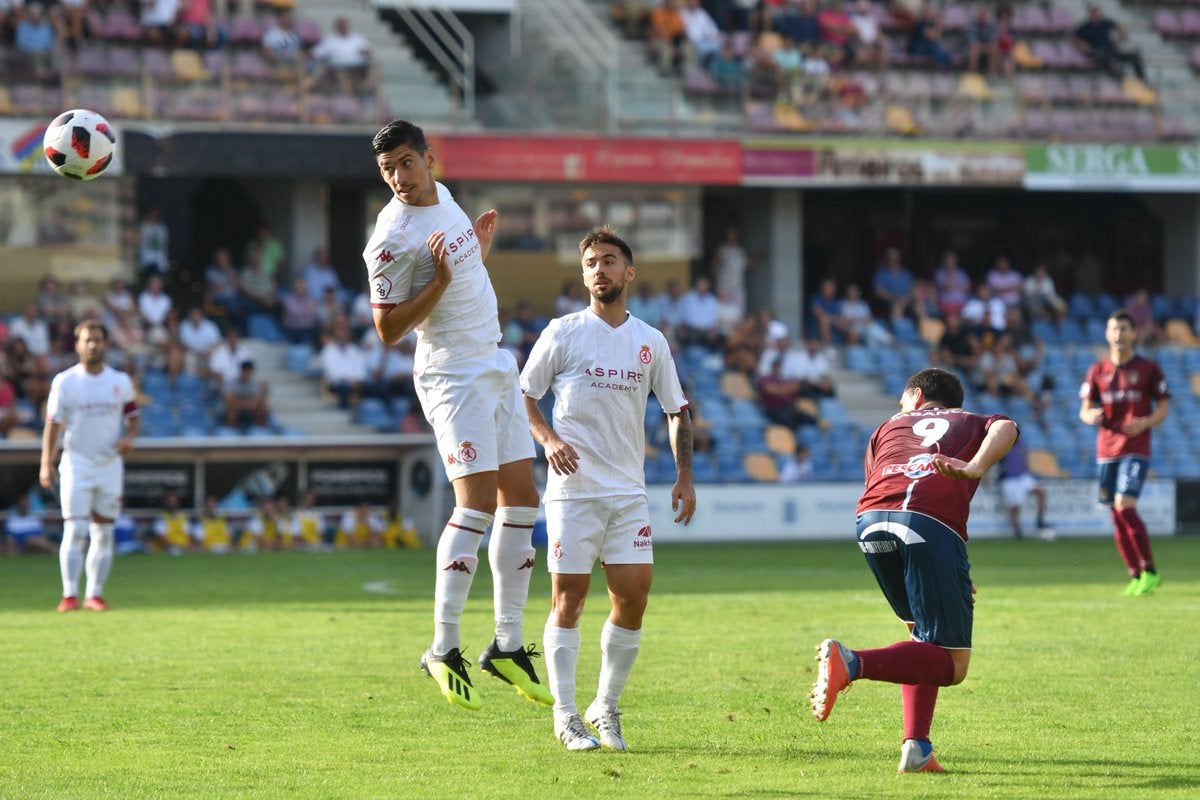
{"points": [[784, 267], [1180, 216], [309, 220]]}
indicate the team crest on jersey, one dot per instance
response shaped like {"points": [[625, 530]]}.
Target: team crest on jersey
{"points": [[645, 355], [919, 466], [1133, 378], [385, 257], [382, 287], [556, 552], [467, 452]]}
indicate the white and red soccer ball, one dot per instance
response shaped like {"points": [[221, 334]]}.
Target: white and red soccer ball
{"points": [[79, 144]]}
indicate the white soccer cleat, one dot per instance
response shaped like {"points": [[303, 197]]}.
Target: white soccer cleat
{"points": [[607, 723], [914, 759], [575, 735]]}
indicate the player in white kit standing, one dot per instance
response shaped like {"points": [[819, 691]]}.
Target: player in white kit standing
{"points": [[426, 273], [602, 363], [89, 401]]}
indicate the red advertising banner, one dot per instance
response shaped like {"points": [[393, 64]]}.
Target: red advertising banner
{"points": [[563, 159]]}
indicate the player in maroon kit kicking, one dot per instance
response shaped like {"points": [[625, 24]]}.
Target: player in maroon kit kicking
{"points": [[1125, 395], [923, 467]]}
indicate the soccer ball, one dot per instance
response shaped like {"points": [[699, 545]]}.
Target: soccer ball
{"points": [[79, 144]]}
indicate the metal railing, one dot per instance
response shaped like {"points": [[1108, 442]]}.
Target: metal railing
{"points": [[450, 44]]}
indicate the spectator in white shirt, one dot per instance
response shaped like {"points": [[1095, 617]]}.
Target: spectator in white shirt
{"points": [[199, 335], [860, 324], [873, 48], [158, 19], [153, 303], [702, 31], [798, 468], [343, 366], [811, 367], [319, 275], [33, 330], [700, 314], [226, 359], [281, 44], [344, 55], [117, 299], [153, 239], [984, 312]]}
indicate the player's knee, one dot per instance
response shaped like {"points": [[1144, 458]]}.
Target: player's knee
{"points": [[567, 607], [962, 660]]}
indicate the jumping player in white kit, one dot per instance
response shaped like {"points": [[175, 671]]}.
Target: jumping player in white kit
{"points": [[602, 363], [426, 273], [89, 402]]}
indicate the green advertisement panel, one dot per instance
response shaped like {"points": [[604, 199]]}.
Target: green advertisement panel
{"points": [[1113, 167]]}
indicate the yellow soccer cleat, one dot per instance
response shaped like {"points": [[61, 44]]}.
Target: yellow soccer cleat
{"points": [[450, 672], [515, 668]]}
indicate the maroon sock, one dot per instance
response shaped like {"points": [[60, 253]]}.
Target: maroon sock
{"points": [[1139, 538], [1125, 545], [919, 700], [907, 662]]}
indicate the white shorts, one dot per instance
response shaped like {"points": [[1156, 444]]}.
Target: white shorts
{"points": [[1015, 490], [477, 412], [615, 530], [91, 491]]}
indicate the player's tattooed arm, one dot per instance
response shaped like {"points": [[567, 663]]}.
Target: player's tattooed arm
{"points": [[683, 493]]}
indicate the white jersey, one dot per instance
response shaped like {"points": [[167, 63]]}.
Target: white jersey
{"points": [[602, 377], [91, 408], [399, 265]]}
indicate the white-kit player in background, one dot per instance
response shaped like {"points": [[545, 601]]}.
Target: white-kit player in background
{"points": [[89, 401], [426, 273], [601, 364]]}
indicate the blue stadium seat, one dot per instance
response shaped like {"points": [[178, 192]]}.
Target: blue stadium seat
{"points": [[298, 358], [1080, 306], [263, 326], [905, 331], [1105, 305], [1046, 330], [1161, 307], [859, 359]]}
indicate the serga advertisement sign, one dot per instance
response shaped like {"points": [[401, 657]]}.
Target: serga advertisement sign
{"points": [[1113, 167]]}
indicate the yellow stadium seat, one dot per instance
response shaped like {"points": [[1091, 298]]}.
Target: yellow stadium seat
{"points": [[187, 66], [1180, 332], [1024, 57], [973, 85], [931, 330], [736, 386], [781, 440], [898, 119], [761, 467], [1044, 464]]}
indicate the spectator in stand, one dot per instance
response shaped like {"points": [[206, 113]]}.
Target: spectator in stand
{"points": [[199, 336], [81, 302], [128, 350], [952, 284], [798, 468], [646, 305], [343, 366], [668, 37], [362, 318], [728, 70], [779, 396], [893, 285], [631, 16], [730, 264], [983, 42], [269, 249], [299, 314], [29, 373], [319, 275], [390, 369], [1027, 348], [873, 46], [776, 342], [158, 20], [1145, 327], [1042, 300], [343, 55], [35, 41], [117, 299], [258, 285], [281, 45], [729, 314], [198, 27], [702, 32], [984, 313], [245, 399], [798, 21], [745, 343], [958, 348], [997, 372], [764, 81], [32, 330], [526, 328], [925, 37], [153, 303], [330, 312], [859, 323], [53, 305], [825, 311], [72, 16], [811, 367], [789, 61], [223, 288], [699, 312], [568, 300], [838, 33], [1005, 43], [226, 359], [670, 313], [9, 415], [25, 531], [413, 420], [153, 243], [1100, 38], [1006, 283]]}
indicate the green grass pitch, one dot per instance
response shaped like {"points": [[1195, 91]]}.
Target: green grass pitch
{"points": [[295, 676]]}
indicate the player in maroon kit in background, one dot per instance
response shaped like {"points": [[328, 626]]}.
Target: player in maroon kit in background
{"points": [[923, 467], [1125, 395]]}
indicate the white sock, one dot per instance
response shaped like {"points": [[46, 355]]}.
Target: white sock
{"points": [[618, 651], [562, 654], [70, 555], [510, 554], [99, 557], [457, 557]]}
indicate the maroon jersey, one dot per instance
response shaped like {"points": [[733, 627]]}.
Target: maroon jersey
{"points": [[1124, 391], [900, 476]]}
